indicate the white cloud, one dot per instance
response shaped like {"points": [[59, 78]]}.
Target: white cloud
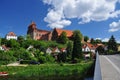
{"points": [[105, 39], [83, 10], [114, 26], [97, 38]]}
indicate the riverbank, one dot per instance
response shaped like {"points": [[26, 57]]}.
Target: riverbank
{"points": [[48, 71]]}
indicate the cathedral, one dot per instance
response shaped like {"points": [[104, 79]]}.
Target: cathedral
{"points": [[38, 34]]}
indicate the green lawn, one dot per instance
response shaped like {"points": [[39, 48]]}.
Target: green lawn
{"points": [[47, 71]]}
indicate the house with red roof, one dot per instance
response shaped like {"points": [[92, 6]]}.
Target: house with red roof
{"points": [[11, 35], [4, 48], [88, 47], [63, 50], [49, 50]]}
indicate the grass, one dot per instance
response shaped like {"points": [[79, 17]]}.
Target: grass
{"points": [[48, 71]]}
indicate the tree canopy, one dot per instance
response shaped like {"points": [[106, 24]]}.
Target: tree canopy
{"points": [[62, 38], [77, 46], [112, 45], [86, 38]]}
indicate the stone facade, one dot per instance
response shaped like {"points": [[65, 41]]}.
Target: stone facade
{"points": [[38, 34]]}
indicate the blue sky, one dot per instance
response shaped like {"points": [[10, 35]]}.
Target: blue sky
{"points": [[94, 18]]}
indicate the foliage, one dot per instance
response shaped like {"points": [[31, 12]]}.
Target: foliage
{"points": [[100, 49], [92, 41], [6, 57], [86, 38], [77, 46], [69, 49], [4, 41], [62, 38], [112, 45], [13, 44], [98, 41], [62, 57]]}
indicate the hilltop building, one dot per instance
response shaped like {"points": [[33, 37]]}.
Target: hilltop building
{"points": [[38, 34], [11, 35]]}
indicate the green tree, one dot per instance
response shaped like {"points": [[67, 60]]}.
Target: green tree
{"points": [[86, 38], [92, 41], [112, 45], [0, 40], [69, 49], [77, 46], [4, 41], [62, 38], [13, 44], [100, 49], [98, 41]]}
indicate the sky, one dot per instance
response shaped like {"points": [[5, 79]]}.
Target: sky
{"points": [[98, 19]]}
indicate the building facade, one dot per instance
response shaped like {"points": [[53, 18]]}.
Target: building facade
{"points": [[38, 34], [11, 35]]}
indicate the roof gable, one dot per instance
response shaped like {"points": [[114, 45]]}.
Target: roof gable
{"points": [[11, 34]]}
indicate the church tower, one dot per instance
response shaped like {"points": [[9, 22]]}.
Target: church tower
{"points": [[32, 30]]}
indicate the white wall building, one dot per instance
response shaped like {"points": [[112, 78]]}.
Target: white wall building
{"points": [[88, 47], [11, 35]]}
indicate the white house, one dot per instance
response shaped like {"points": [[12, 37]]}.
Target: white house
{"points": [[11, 35], [4, 48], [1, 48], [49, 51], [88, 47], [63, 50], [56, 50]]}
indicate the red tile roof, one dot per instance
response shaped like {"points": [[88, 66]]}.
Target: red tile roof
{"points": [[5, 48], [91, 46], [68, 32], [11, 34]]}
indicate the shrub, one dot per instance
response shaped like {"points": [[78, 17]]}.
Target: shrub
{"points": [[25, 62]]}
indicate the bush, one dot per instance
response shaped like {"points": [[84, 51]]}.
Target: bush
{"points": [[42, 59], [25, 62], [50, 59]]}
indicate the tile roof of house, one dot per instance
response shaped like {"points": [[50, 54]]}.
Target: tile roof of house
{"points": [[91, 46], [54, 49], [63, 49], [68, 32], [5, 48], [11, 34]]}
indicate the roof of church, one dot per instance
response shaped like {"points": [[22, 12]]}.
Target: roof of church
{"points": [[68, 32]]}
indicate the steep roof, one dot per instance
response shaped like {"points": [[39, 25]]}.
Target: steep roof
{"points": [[91, 46], [11, 34], [68, 32]]}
